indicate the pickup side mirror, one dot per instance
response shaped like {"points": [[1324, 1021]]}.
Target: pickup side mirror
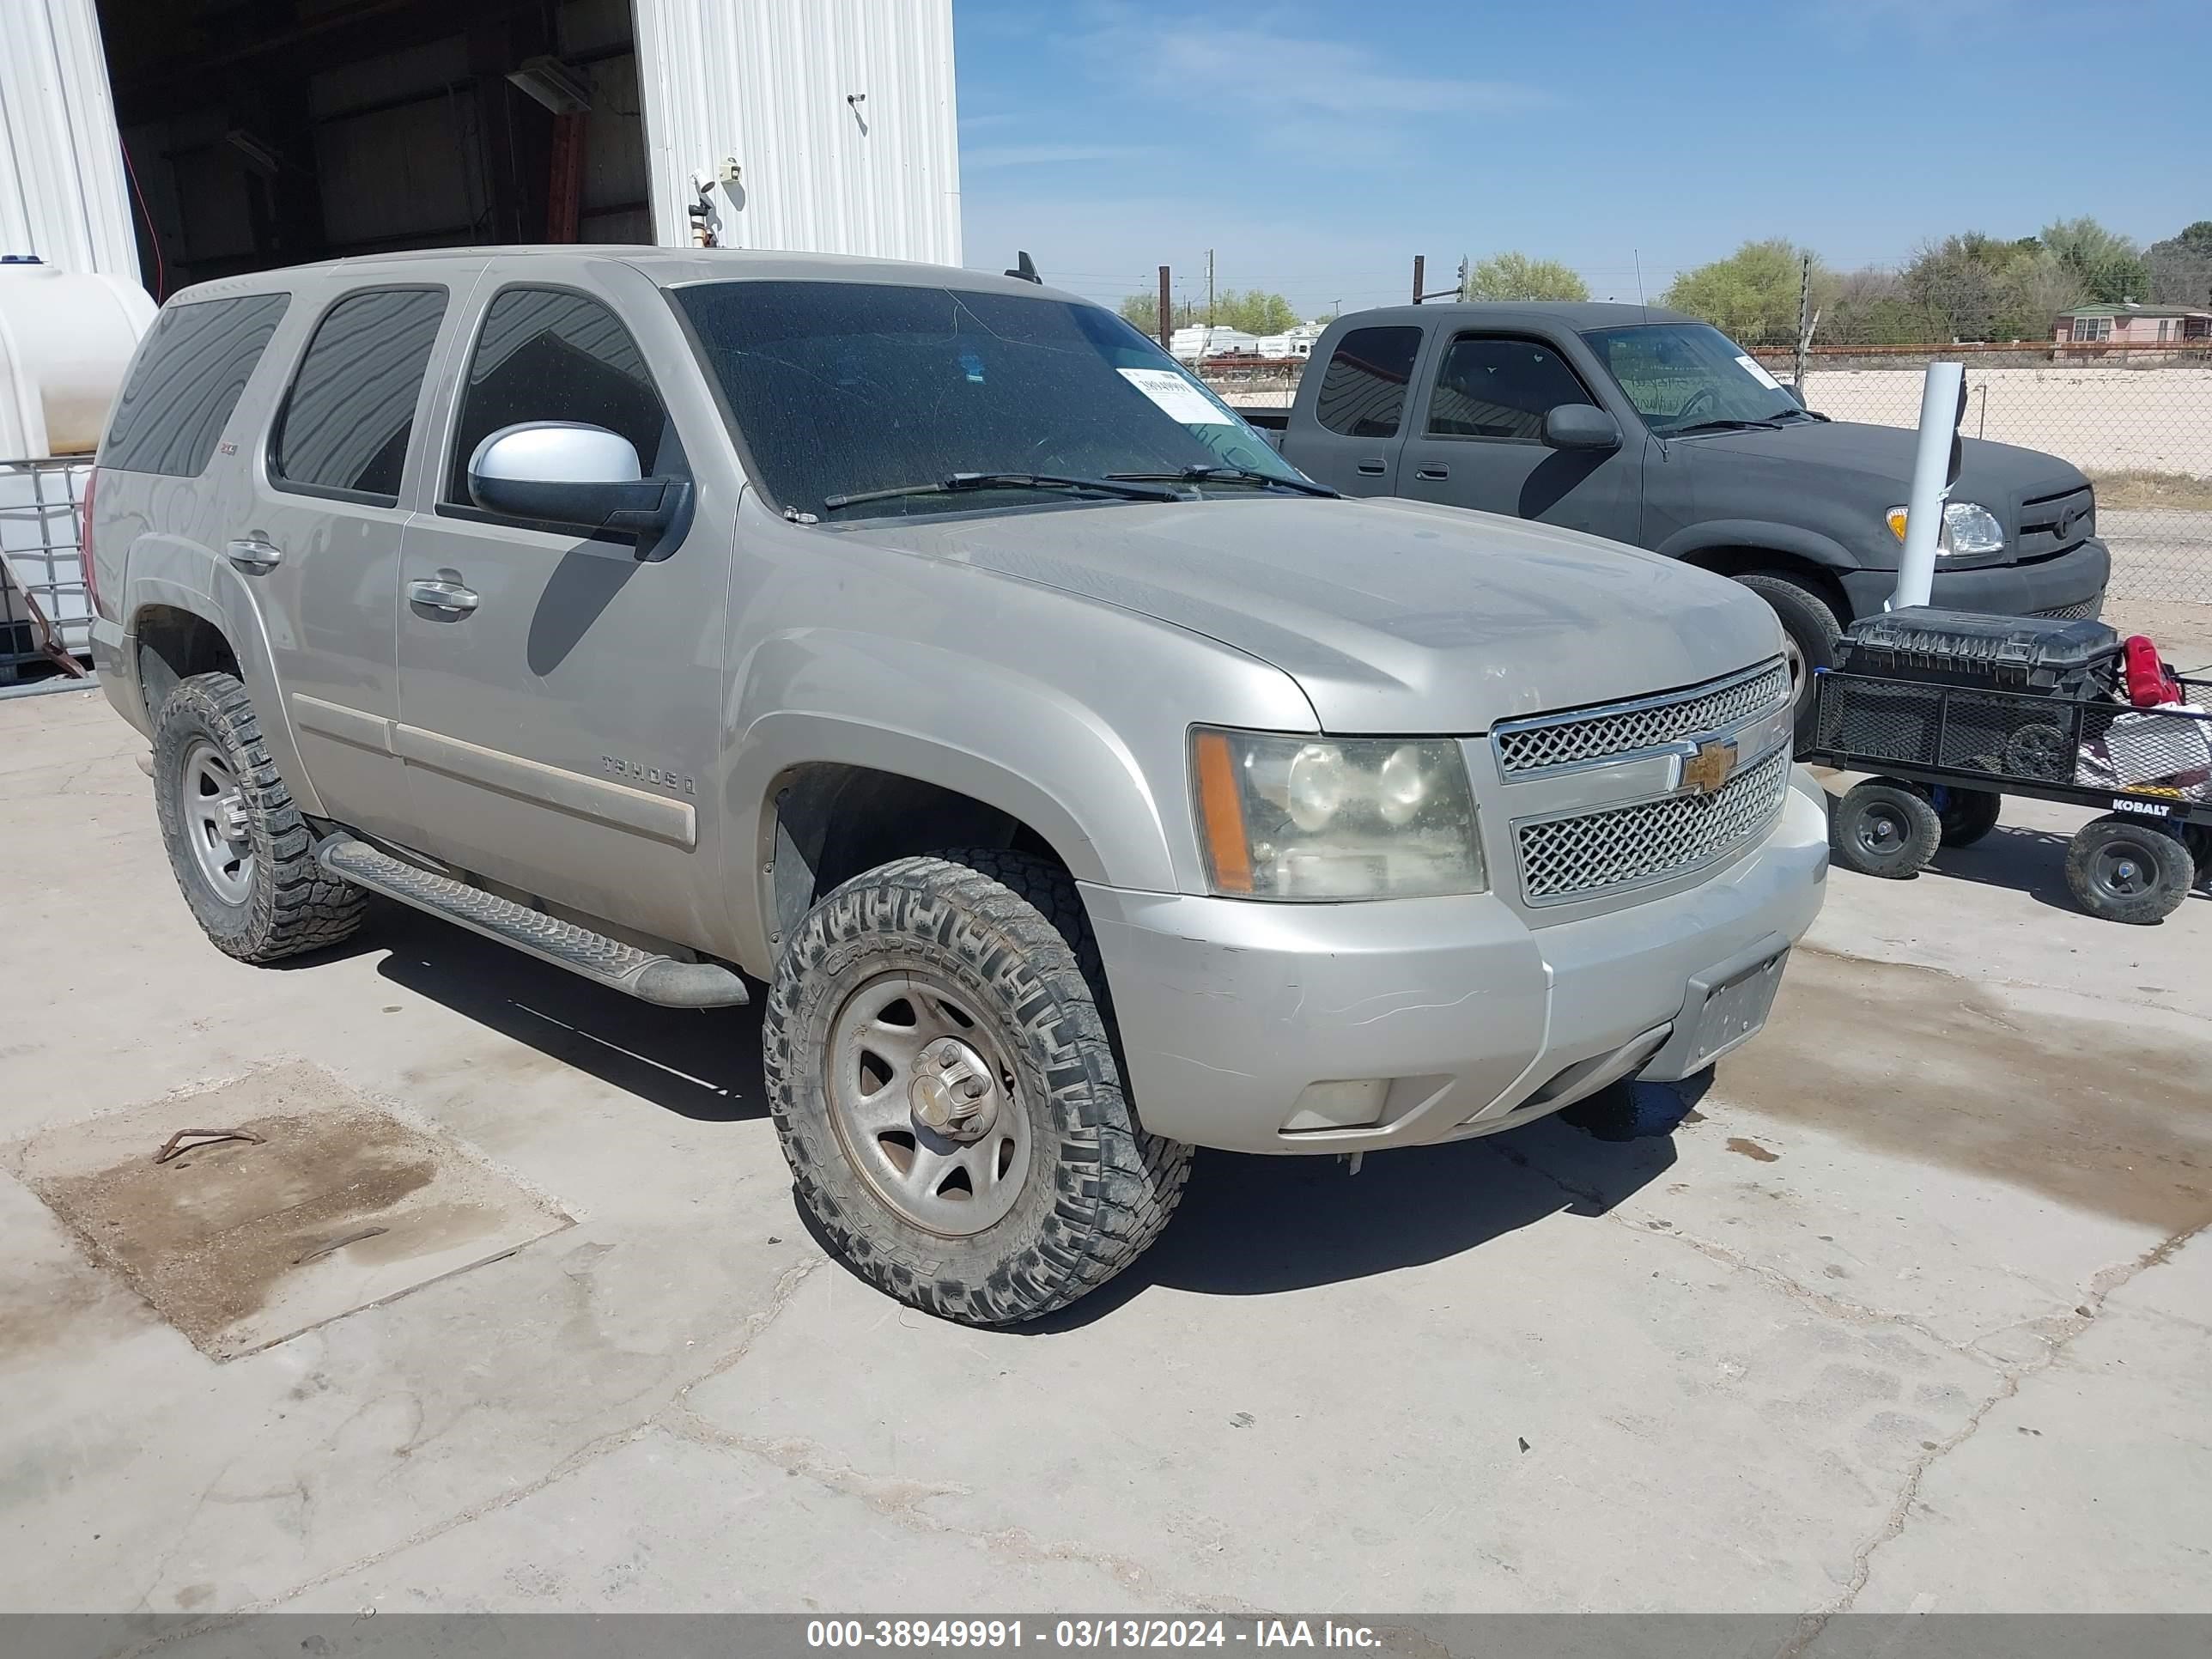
{"points": [[1581, 426], [578, 476], [1796, 392]]}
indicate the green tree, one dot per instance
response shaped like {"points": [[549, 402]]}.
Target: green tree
{"points": [[2107, 264], [2180, 267], [1254, 311], [1977, 287], [1752, 295], [1516, 276]]}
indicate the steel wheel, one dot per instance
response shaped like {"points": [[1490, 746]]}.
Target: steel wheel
{"points": [[926, 1104], [215, 821]]}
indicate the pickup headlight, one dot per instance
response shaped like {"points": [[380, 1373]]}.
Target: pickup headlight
{"points": [[1317, 818], [1968, 529]]}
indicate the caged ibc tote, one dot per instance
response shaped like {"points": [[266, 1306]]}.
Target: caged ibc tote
{"points": [[1952, 711]]}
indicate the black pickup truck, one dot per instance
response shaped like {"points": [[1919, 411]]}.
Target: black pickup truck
{"points": [[1647, 426]]}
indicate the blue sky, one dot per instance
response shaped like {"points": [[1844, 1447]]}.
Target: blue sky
{"points": [[1316, 146]]}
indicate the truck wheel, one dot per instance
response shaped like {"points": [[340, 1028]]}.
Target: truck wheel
{"points": [[1968, 814], [1882, 828], [2124, 869], [1809, 630], [241, 851], [940, 1065]]}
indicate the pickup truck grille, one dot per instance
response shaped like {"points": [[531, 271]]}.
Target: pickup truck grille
{"points": [[2051, 524], [1593, 852], [1576, 737]]}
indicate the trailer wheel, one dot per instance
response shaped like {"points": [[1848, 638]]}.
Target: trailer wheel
{"points": [[2197, 838], [1884, 828], [1968, 814], [2125, 870]]}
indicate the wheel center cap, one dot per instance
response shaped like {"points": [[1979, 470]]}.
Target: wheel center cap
{"points": [[952, 1091]]}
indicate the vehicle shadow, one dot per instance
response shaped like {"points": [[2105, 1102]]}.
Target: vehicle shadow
{"points": [[2029, 861], [1247, 1225], [1259, 1226], [700, 1063]]}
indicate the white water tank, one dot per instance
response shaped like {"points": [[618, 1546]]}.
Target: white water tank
{"points": [[65, 340]]}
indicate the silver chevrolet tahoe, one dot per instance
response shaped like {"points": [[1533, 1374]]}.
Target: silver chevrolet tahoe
{"points": [[1084, 783]]}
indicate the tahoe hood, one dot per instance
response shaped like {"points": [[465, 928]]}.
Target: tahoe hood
{"points": [[1395, 616]]}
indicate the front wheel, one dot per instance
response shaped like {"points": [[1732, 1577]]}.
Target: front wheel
{"points": [[2124, 869], [1809, 632], [941, 1070]]}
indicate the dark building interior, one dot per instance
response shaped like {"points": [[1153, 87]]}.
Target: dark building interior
{"points": [[270, 132]]}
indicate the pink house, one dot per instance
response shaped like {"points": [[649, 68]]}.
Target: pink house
{"points": [[2131, 324]]}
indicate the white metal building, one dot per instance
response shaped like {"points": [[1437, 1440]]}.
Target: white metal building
{"points": [[179, 140]]}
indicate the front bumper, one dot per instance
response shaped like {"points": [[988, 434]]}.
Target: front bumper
{"points": [[1230, 1009], [2061, 585]]}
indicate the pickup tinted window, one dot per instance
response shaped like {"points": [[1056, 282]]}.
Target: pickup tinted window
{"points": [[345, 422], [190, 371], [550, 355], [839, 388], [1362, 391], [1499, 388]]}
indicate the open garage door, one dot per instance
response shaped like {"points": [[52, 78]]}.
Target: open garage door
{"points": [[270, 132]]}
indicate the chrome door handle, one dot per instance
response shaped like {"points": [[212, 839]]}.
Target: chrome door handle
{"points": [[442, 596], [1434, 469], [1373, 469], [251, 553]]}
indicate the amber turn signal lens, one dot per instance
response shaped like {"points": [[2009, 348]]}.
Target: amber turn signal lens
{"points": [[1221, 809]]}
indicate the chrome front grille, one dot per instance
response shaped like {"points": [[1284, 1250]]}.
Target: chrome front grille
{"points": [[1578, 736], [1591, 853]]}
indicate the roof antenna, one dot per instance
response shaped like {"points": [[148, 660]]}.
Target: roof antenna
{"points": [[1638, 256], [1026, 269]]}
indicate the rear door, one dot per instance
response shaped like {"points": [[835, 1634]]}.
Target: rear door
{"points": [[1479, 440], [317, 536], [1351, 440], [561, 697]]}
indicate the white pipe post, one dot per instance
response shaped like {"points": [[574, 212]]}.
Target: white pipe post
{"points": [[1931, 467]]}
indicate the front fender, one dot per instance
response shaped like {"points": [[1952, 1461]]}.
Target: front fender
{"points": [[1793, 539], [917, 710]]}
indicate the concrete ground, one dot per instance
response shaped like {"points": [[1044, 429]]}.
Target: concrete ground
{"points": [[1916, 1314]]}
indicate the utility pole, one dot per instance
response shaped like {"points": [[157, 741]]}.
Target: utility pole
{"points": [[1166, 317], [1804, 325], [1420, 270], [1209, 290]]}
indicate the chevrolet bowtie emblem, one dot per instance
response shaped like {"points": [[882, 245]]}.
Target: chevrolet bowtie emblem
{"points": [[1709, 769]]}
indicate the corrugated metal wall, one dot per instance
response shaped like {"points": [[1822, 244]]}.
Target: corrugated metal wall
{"points": [[769, 82], [64, 195]]}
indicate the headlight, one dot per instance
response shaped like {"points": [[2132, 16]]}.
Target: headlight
{"points": [[1968, 529], [1289, 817]]}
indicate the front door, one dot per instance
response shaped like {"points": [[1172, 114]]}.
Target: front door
{"points": [[1479, 442], [318, 538], [560, 696]]}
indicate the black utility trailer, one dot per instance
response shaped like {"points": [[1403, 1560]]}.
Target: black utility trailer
{"points": [[1952, 712]]}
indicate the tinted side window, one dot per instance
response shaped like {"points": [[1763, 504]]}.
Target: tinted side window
{"points": [[1499, 389], [346, 421], [193, 366], [547, 356], [1362, 391]]}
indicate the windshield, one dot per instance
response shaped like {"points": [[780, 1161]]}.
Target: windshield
{"points": [[838, 389], [1682, 375]]}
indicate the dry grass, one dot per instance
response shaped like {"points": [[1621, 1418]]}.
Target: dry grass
{"points": [[2140, 487]]}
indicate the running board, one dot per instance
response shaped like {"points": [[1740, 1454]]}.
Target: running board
{"points": [[625, 968]]}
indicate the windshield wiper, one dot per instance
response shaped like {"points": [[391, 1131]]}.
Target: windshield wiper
{"points": [[1721, 426], [961, 483], [1235, 475]]}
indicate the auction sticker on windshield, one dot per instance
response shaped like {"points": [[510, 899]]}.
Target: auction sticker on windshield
{"points": [[1177, 397], [1751, 367]]}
